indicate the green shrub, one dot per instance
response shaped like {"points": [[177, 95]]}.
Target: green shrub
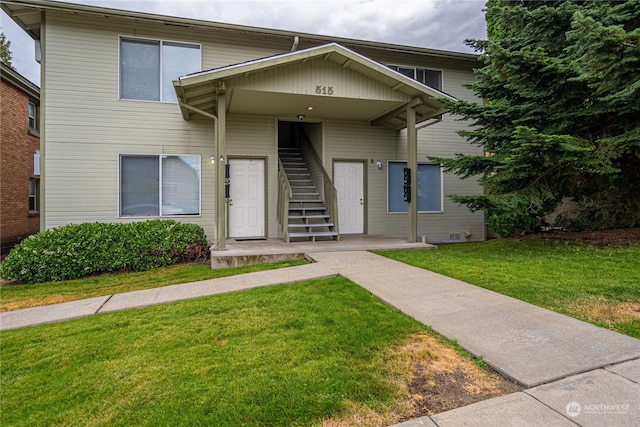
{"points": [[79, 250]]}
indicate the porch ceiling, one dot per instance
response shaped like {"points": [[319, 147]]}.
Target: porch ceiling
{"points": [[199, 91]]}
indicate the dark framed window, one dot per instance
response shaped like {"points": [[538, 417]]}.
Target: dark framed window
{"points": [[432, 78], [159, 185], [148, 67], [429, 188]]}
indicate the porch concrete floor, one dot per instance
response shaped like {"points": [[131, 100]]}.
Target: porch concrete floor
{"points": [[250, 252]]}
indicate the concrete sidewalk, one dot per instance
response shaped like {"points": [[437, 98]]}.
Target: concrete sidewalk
{"points": [[576, 373]]}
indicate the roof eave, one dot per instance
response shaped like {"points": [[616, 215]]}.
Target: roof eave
{"points": [[191, 22], [17, 80]]}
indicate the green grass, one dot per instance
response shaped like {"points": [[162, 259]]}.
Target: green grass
{"points": [[600, 285], [14, 297], [277, 356]]}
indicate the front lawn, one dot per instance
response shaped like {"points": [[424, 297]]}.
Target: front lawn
{"points": [[14, 297], [599, 285], [285, 355]]}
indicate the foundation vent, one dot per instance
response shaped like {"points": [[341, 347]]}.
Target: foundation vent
{"points": [[454, 236]]}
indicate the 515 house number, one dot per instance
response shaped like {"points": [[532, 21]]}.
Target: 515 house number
{"points": [[324, 90]]}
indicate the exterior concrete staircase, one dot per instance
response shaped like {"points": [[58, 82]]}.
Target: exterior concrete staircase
{"points": [[307, 217]]}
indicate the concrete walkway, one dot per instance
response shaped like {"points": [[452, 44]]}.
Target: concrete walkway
{"points": [[575, 373]]}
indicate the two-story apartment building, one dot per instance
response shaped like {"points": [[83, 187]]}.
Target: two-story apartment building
{"points": [[19, 158], [249, 132]]}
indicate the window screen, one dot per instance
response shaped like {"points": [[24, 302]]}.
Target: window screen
{"points": [[148, 68], [159, 185], [140, 70], [139, 186]]}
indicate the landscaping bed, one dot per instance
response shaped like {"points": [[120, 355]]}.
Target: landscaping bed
{"points": [[601, 238]]}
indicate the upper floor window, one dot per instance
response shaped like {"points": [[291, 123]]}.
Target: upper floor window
{"points": [[148, 68], [33, 116], [428, 77]]}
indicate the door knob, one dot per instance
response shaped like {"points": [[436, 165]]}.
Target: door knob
{"points": [[361, 201], [230, 202]]}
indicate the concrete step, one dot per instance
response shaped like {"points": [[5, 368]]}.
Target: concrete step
{"points": [[313, 235]]}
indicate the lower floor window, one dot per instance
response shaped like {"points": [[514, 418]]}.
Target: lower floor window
{"points": [[159, 185], [429, 188], [34, 195]]}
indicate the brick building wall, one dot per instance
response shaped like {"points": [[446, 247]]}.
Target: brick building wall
{"points": [[18, 144]]}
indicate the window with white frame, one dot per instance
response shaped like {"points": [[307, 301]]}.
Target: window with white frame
{"points": [[33, 116], [36, 164], [429, 187], [148, 67], [432, 78], [34, 195], [159, 185]]}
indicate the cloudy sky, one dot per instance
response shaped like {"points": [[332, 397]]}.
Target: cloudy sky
{"points": [[437, 24]]}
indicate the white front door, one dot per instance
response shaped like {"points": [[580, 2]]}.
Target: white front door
{"points": [[348, 179], [246, 201]]}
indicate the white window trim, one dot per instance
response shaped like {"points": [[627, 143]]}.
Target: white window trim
{"points": [[36, 164], [34, 117], [122, 36], [36, 196], [121, 155], [441, 211]]}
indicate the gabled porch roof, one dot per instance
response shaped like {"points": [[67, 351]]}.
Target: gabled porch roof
{"points": [[198, 91]]}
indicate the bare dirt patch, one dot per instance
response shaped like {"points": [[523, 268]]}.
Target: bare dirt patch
{"points": [[599, 309], [600, 238], [431, 378]]}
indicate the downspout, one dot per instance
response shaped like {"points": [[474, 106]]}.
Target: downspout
{"points": [[218, 241], [412, 164], [296, 40], [417, 128]]}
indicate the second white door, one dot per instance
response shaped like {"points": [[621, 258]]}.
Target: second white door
{"points": [[246, 203], [348, 179]]}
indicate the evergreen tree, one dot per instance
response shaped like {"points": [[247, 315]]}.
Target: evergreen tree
{"points": [[5, 52], [561, 117]]}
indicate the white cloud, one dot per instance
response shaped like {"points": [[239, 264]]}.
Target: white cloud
{"points": [[438, 24]]}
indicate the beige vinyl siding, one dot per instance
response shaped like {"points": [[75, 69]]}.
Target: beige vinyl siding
{"points": [[251, 136], [87, 126], [302, 78], [359, 141], [442, 140], [315, 131]]}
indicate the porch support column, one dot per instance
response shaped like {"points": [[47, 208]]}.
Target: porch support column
{"points": [[412, 163], [220, 216]]}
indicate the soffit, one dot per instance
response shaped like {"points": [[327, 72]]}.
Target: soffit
{"points": [[199, 91]]}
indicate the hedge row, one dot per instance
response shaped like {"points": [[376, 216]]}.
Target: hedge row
{"points": [[79, 250]]}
